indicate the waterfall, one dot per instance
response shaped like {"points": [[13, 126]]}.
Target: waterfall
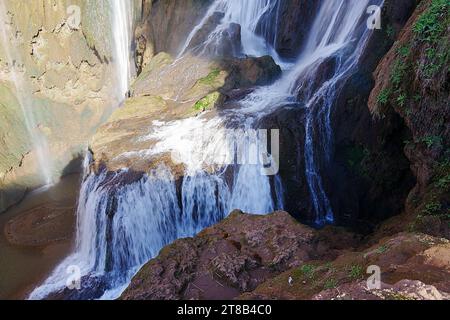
{"points": [[245, 13], [338, 34], [23, 92], [121, 225], [122, 21]]}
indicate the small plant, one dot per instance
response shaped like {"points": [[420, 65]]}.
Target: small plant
{"points": [[398, 72], [430, 53], [401, 100], [432, 23], [444, 182], [390, 31], [330, 283], [330, 268], [431, 141], [356, 272], [308, 270], [432, 208], [382, 249], [404, 51], [383, 97]]}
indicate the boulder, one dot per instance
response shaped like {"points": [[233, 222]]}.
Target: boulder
{"points": [[225, 260]]}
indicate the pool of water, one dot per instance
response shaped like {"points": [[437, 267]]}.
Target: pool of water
{"points": [[22, 267]]}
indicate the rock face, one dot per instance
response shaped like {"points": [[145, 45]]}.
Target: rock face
{"points": [[402, 290], [289, 16], [412, 82], [166, 24], [68, 84], [274, 257], [223, 261], [368, 178], [168, 90], [390, 123]]}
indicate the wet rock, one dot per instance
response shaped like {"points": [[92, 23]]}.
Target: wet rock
{"points": [[168, 23], [289, 119], [66, 84], [225, 260], [226, 40], [369, 164], [168, 90], [413, 85], [282, 23], [250, 72], [91, 288]]}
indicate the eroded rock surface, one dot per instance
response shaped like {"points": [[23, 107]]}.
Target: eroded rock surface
{"points": [[169, 90], [225, 260], [274, 257]]}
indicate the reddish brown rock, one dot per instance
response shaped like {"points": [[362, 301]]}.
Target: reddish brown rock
{"points": [[226, 260]]}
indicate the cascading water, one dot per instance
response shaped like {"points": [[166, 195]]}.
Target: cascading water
{"points": [[342, 40], [122, 20], [339, 34], [23, 91], [123, 225], [245, 13]]}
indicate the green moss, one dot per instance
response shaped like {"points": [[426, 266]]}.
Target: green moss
{"points": [[444, 182], [207, 102], [210, 78]]}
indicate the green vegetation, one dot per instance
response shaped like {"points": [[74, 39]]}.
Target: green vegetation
{"points": [[431, 141], [444, 182], [207, 102], [401, 99], [382, 249], [432, 23], [383, 97], [398, 73], [431, 29], [432, 208], [210, 78], [308, 270], [330, 283], [355, 272], [390, 31], [404, 51]]}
